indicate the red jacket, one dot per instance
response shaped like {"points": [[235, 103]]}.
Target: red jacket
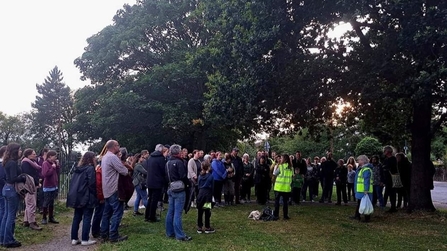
{"points": [[99, 193]]}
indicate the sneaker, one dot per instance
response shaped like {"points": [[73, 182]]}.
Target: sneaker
{"points": [[34, 226], [75, 242], [119, 239], [142, 207], [193, 204], [199, 230], [15, 244], [186, 238], [209, 230], [313, 201], [87, 243], [44, 221], [304, 200]]}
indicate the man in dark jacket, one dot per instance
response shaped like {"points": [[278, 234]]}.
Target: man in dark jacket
{"points": [[327, 173], [390, 167], [239, 171], [176, 170], [156, 180]]}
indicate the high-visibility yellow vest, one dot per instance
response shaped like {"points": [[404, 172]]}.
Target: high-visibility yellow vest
{"points": [[360, 188], [284, 179]]}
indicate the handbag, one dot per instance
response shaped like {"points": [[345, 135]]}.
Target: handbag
{"points": [[175, 186], [397, 182]]}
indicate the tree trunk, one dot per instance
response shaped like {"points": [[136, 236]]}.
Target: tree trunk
{"points": [[421, 177]]}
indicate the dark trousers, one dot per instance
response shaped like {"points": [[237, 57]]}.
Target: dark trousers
{"points": [[154, 196], [285, 205], [315, 187], [246, 190], [351, 191], [391, 193], [341, 191], [261, 193], [357, 214], [200, 212], [296, 195], [327, 190], [237, 189], [217, 190], [97, 216], [308, 185]]}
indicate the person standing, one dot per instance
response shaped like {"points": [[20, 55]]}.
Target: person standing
{"points": [[238, 171], [2, 184], [378, 182], [328, 168], [204, 199], [13, 175], [194, 167], [389, 168], [50, 174], [283, 173], [219, 175], [30, 167], [363, 184], [176, 170], [139, 182], [112, 167], [156, 181], [82, 197], [247, 178], [341, 176]]}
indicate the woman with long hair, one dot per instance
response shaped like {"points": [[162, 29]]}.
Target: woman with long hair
{"points": [[30, 167], [139, 181], [283, 173], [82, 197], [13, 175], [50, 173]]}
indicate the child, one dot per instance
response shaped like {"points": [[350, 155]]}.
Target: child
{"points": [[228, 188], [351, 177], [297, 182], [204, 198]]}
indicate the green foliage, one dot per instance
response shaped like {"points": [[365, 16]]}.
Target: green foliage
{"points": [[12, 129], [53, 112], [368, 146]]}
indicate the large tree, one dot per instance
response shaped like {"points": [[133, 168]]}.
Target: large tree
{"points": [[146, 87], [12, 128], [53, 112]]}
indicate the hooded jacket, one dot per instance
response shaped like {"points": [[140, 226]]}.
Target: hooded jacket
{"points": [[156, 174], [82, 191]]}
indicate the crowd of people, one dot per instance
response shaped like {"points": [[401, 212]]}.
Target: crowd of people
{"points": [[101, 187]]}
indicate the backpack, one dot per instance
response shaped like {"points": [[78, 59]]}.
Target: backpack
{"points": [[267, 214]]}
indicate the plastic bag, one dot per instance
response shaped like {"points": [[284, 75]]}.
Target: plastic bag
{"points": [[366, 206]]}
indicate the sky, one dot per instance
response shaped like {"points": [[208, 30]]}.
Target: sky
{"points": [[35, 36]]}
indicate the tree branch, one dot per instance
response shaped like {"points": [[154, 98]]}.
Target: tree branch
{"points": [[356, 26]]}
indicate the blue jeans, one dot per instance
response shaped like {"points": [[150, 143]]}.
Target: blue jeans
{"points": [[97, 217], [141, 195], [11, 206], [111, 217], [84, 214], [174, 215], [2, 214], [378, 191]]}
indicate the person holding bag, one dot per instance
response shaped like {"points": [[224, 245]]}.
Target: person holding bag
{"points": [[363, 184]]}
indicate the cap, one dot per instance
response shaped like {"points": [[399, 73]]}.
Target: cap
{"points": [[236, 149]]}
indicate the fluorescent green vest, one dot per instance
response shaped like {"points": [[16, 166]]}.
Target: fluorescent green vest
{"points": [[284, 180], [360, 188]]}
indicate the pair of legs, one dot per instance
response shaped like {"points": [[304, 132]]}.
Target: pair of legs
{"points": [[155, 195], [308, 185], [8, 222], [85, 215], [141, 197], [174, 227], [111, 217], [341, 192], [285, 205], [48, 206]]}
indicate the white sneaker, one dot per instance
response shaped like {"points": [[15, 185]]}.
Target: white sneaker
{"points": [[193, 204], [142, 207], [87, 243], [75, 242]]}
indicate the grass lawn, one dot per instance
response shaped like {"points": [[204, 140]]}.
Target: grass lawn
{"points": [[313, 226]]}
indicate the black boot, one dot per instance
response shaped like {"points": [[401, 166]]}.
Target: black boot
{"points": [[51, 215]]}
